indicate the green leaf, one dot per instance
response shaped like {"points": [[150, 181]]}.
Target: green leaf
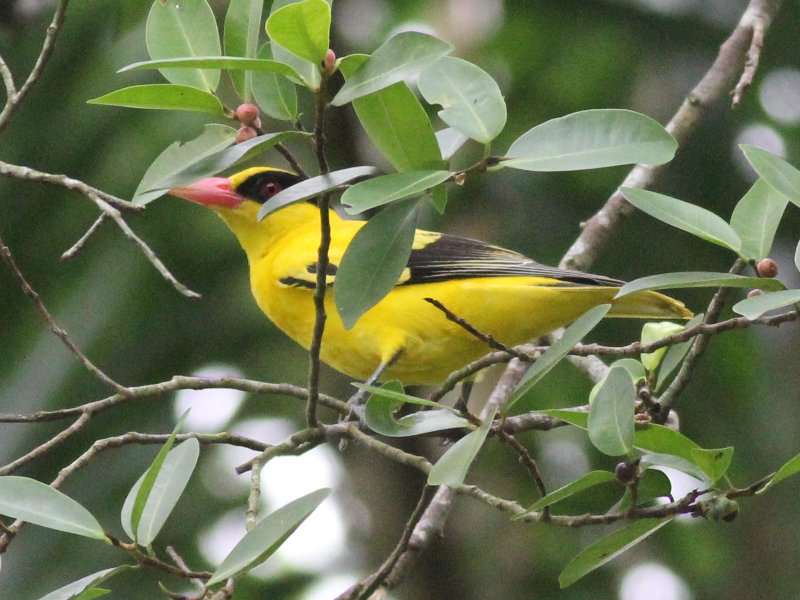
{"points": [[395, 392], [162, 96], [693, 279], [653, 484], [232, 63], [683, 215], [756, 218], [452, 466], [313, 187], [611, 414], [632, 366], [396, 122], [592, 139], [184, 28], [399, 57], [573, 417], [302, 28], [386, 400], [676, 354], [450, 141], [587, 481], [169, 484], [471, 100], [267, 536], [390, 188], [212, 164], [374, 260], [778, 173], [179, 156], [608, 548], [572, 335], [655, 331], [40, 504], [275, 94], [659, 440], [308, 72], [242, 27], [674, 462], [92, 593], [714, 463], [72, 590], [664, 440], [148, 481], [792, 467], [755, 307]]}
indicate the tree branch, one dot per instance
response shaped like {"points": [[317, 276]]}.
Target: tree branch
{"points": [[178, 382], [710, 90], [58, 331], [13, 96], [320, 288]]}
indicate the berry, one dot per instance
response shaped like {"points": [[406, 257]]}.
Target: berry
{"points": [[247, 114], [767, 268], [245, 133]]}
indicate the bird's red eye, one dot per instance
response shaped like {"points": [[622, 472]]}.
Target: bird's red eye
{"points": [[268, 189]]}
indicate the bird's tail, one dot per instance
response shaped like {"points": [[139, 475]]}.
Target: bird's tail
{"points": [[648, 305]]}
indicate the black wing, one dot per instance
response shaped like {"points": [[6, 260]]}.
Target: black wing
{"points": [[448, 257], [441, 257]]}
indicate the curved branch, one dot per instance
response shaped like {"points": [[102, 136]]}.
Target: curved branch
{"points": [[58, 331], [178, 382]]}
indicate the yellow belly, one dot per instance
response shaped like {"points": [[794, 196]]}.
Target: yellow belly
{"points": [[510, 309]]}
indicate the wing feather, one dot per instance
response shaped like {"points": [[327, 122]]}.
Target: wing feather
{"points": [[441, 257], [452, 257]]}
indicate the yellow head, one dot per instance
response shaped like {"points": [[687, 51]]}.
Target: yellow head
{"points": [[238, 198]]}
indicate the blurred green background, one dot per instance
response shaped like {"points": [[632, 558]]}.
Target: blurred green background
{"points": [[550, 58]]}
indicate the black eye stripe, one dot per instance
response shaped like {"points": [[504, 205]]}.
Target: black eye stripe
{"points": [[262, 186]]}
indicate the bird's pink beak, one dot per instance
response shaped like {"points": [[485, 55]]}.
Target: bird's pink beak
{"points": [[212, 191]]}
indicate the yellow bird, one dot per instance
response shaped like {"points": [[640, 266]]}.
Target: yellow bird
{"points": [[499, 292]]}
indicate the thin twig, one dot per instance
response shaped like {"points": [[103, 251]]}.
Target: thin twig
{"points": [[364, 589], [484, 337], [299, 442], [254, 496], [181, 564], [178, 382], [290, 158], [681, 380], [758, 16], [320, 316], [13, 96], [51, 443], [72, 252], [524, 456], [75, 185], [146, 250], [58, 331], [157, 563]]}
